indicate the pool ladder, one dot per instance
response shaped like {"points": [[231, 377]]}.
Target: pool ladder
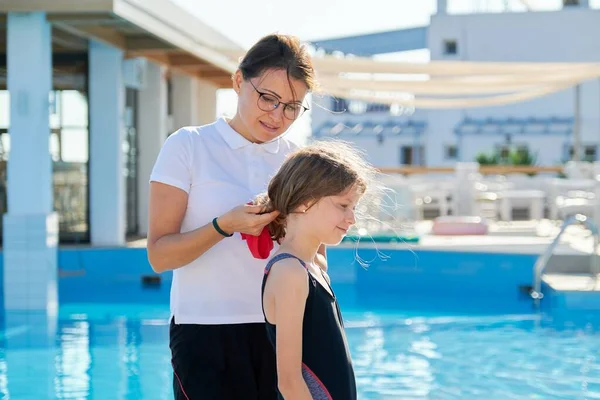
{"points": [[542, 261]]}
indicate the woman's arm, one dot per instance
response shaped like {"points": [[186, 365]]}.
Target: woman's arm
{"points": [[168, 249], [290, 289]]}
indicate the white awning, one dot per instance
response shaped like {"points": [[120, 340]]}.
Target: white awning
{"points": [[446, 84]]}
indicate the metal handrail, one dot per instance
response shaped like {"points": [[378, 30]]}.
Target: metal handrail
{"points": [[542, 261]]}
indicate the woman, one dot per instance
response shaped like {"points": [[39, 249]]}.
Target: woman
{"points": [[200, 186]]}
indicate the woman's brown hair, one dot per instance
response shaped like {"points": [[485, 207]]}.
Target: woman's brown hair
{"points": [[279, 52]]}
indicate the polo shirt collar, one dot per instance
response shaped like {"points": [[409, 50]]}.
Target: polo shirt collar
{"points": [[237, 141]]}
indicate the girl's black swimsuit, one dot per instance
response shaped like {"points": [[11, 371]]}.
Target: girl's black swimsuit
{"points": [[326, 362]]}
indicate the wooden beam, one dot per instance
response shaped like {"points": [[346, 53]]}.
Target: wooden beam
{"points": [[181, 60], [63, 50], [201, 69], [100, 33], [83, 19], [141, 43], [161, 59], [65, 6], [67, 41], [161, 53], [221, 83], [213, 74]]}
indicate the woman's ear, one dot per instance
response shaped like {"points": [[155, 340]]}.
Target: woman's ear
{"points": [[237, 81]]}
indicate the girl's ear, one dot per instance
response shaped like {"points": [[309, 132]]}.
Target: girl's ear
{"points": [[302, 208], [308, 205]]}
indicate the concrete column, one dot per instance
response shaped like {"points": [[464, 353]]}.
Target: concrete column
{"points": [[152, 131], [183, 100], [30, 226], [442, 7], [206, 106], [194, 101], [24, 330], [107, 181]]}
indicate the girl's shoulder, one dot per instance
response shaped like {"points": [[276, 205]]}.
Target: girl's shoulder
{"points": [[285, 266]]}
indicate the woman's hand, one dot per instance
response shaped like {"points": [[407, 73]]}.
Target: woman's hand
{"points": [[248, 219]]}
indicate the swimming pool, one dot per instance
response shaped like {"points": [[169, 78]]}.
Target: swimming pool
{"points": [[417, 330], [103, 351]]}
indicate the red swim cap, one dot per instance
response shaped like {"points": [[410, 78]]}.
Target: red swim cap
{"points": [[260, 246]]}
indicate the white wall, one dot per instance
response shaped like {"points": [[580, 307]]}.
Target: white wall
{"points": [[569, 35], [565, 35], [439, 134], [386, 154], [194, 101]]}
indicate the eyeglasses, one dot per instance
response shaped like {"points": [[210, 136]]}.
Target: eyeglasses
{"points": [[268, 102]]}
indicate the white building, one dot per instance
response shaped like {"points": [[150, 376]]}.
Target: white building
{"points": [[543, 126]]}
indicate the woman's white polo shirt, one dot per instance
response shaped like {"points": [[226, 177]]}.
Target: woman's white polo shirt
{"points": [[219, 169]]}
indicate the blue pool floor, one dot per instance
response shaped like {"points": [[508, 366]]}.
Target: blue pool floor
{"points": [[435, 325], [120, 351]]}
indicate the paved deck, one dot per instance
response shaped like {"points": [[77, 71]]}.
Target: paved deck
{"points": [[572, 283], [521, 237]]}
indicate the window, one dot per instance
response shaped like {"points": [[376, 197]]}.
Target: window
{"points": [[376, 107], [170, 96], [450, 152], [412, 155], [406, 155], [338, 105], [522, 151], [504, 152], [69, 139], [357, 107], [588, 153], [397, 109], [450, 47], [130, 149]]}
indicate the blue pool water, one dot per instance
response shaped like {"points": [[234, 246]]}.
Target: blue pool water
{"points": [[430, 325], [120, 351]]}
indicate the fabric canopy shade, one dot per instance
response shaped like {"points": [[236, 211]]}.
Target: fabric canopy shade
{"points": [[446, 84]]}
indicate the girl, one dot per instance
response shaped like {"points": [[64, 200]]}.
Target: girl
{"points": [[315, 192], [202, 179]]}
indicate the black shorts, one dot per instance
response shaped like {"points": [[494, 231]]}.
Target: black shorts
{"points": [[222, 362]]}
